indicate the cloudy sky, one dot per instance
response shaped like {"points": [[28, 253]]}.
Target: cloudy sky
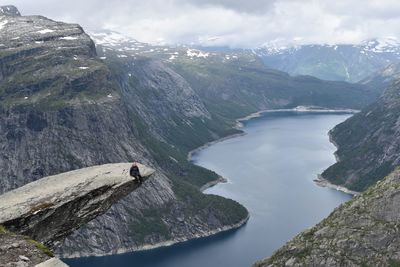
{"points": [[237, 23]]}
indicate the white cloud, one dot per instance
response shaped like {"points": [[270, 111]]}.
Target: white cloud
{"points": [[238, 23]]}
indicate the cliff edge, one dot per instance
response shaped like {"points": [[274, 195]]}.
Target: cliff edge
{"points": [[51, 208]]}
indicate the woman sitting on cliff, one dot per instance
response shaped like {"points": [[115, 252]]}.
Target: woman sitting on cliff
{"points": [[134, 172]]}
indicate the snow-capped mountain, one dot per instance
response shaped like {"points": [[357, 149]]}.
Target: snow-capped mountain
{"points": [[111, 43], [382, 45], [332, 62]]}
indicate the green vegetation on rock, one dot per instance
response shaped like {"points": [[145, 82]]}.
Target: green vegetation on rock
{"points": [[366, 143]]}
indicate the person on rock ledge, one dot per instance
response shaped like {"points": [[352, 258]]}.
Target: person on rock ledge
{"points": [[134, 172]]}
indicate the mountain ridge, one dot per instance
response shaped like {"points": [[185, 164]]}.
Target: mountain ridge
{"points": [[347, 62]]}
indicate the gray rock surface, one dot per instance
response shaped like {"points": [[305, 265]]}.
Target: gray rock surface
{"points": [[9, 11], [51, 208], [53, 262], [362, 232], [17, 250]]}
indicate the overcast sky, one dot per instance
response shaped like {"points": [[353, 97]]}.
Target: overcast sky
{"points": [[237, 23]]}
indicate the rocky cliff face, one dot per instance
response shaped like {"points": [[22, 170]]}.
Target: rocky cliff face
{"points": [[62, 110], [361, 232], [367, 143]]}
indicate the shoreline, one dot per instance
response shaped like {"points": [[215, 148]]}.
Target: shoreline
{"points": [[210, 184], [337, 158], [165, 243], [321, 181], [239, 123], [208, 144]]}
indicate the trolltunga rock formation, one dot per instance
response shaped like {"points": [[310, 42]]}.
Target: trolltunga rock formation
{"points": [[49, 209]]}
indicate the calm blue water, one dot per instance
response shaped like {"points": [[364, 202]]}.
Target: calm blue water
{"points": [[270, 171]]}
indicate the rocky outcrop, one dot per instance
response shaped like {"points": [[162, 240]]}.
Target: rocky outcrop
{"points": [[9, 11], [18, 250], [361, 232], [53, 262], [51, 208]]}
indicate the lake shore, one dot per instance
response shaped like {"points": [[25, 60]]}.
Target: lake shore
{"points": [[321, 181], [166, 243], [213, 183], [239, 125]]}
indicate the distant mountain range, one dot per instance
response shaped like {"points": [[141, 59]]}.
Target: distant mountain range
{"points": [[344, 62]]}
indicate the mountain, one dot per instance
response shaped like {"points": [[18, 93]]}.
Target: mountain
{"points": [[343, 62], [361, 232], [67, 104], [367, 143], [383, 78], [235, 79], [62, 109], [9, 11]]}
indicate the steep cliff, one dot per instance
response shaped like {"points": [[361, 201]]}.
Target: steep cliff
{"points": [[62, 110], [368, 143], [361, 232]]}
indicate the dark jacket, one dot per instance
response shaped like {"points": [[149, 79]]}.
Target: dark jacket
{"points": [[134, 172]]}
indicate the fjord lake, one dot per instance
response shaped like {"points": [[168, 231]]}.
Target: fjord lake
{"points": [[270, 170]]}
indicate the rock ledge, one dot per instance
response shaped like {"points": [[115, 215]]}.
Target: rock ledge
{"points": [[51, 208]]}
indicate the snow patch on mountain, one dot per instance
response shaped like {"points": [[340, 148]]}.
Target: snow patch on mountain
{"points": [[196, 53]]}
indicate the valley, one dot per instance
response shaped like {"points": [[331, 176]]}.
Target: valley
{"points": [[72, 99], [260, 182]]}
